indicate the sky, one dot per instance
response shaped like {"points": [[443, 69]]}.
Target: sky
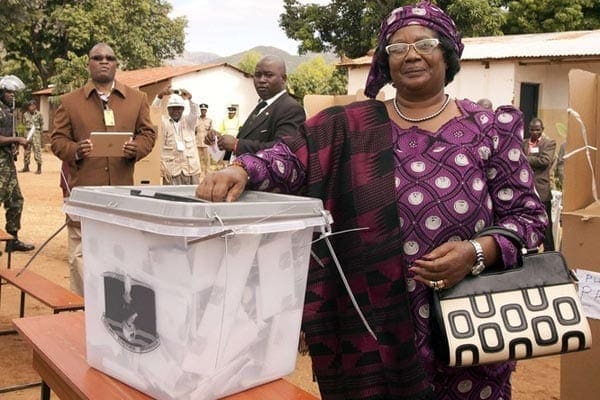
{"points": [[227, 27]]}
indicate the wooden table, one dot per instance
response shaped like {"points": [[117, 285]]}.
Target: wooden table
{"points": [[58, 343]]}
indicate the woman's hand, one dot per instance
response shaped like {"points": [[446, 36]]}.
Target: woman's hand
{"points": [[225, 185], [449, 263]]}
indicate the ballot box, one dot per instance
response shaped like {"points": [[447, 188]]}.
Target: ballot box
{"points": [[187, 299]]}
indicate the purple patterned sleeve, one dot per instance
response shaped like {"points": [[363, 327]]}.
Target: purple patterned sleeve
{"points": [[276, 169], [511, 185]]}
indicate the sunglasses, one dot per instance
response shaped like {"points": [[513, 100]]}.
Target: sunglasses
{"points": [[101, 58], [425, 46]]}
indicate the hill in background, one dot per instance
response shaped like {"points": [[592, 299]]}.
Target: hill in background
{"points": [[291, 61]]}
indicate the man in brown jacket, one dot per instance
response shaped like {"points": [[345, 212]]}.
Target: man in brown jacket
{"points": [[540, 151], [103, 104]]}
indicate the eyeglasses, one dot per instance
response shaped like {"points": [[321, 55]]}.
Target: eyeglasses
{"points": [[107, 58], [425, 46]]}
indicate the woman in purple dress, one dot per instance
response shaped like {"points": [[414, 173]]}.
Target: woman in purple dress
{"points": [[423, 172]]}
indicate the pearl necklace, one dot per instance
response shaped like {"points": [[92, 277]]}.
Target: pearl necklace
{"points": [[435, 114]]}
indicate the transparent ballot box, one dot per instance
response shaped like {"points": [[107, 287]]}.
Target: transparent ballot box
{"points": [[186, 299]]}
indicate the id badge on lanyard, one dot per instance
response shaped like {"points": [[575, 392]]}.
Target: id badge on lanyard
{"points": [[109, 117]]}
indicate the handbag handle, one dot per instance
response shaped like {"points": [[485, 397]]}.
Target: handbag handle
{"points": [[507, 233]]}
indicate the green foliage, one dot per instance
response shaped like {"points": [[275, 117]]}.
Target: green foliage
{"points": [[52, 33], [317, 77], [249, 61], [532, 16], [475, 17], [72, 74], [346, 27], [350, 27]]}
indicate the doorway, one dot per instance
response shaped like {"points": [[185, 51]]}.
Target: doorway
{"points": [[528, 104]]}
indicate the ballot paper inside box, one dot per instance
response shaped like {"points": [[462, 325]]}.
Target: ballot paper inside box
{"points": [[188, 300]]}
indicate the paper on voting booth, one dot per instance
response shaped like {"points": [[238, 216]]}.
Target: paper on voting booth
{"points": [[589, 292], [178, 316]]}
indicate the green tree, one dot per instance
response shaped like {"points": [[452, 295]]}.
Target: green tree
{"points": [[533, 16], [54, 32], [475, 17], [350, 27], [317, 77], [248, 61], [346, 27], [72, 73]]}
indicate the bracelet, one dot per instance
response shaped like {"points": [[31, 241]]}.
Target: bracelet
{"points": [[241, 165], [479, 265]]}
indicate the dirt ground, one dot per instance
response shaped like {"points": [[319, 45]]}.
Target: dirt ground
{"points": [[537, 379]]}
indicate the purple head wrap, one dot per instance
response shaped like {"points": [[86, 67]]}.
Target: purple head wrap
{"points": [[425, 14]]}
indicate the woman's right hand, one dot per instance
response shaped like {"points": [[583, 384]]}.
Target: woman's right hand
{"points": [[225, 185]]}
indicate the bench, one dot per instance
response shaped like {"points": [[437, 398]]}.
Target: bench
{"points": [[47, 292]]}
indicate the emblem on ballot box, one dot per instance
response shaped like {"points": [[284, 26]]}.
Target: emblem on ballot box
{"points": [[130, 312]]}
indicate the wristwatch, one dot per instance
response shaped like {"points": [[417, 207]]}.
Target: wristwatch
{"points": [[479, 266]]}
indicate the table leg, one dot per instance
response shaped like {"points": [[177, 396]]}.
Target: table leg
{"points": [[45, 392]]}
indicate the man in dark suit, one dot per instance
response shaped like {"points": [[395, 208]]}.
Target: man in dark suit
{"points": [[540, 151], [276, 115]]}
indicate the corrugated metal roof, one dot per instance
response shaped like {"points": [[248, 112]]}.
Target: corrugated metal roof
{"points": [[143, 77], [552, 45], [546, 45]]}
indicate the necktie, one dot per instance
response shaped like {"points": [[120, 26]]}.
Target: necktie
{"points": [[259, 107]]}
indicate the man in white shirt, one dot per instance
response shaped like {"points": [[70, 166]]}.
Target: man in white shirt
{"points": [[180, 164]]}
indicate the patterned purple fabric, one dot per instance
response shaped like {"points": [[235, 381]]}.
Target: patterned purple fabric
{"points": [[414, 190], [425, 14]]}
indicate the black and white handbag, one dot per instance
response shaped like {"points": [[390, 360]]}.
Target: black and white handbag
{"points": [[528, 311]]}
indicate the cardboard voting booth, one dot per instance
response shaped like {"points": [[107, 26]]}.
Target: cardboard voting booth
{"points": [[581, 224], [193, 300]]}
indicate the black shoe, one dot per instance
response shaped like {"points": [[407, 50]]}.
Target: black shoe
{"points": [[39, 170], [25, 169], [17, 245]]}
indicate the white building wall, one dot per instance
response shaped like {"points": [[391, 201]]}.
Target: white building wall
{"points": [[553, 80], [219, 87], [474, 81], [44, 108]]}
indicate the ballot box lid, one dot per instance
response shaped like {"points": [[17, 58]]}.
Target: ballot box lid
{"points": [[178, 206]]}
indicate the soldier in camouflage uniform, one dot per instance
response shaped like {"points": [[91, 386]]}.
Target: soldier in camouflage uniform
{"points": [[32, 117], [10, 193]]}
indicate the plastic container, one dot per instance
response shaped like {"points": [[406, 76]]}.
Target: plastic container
{"points": [[193, 300]]}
